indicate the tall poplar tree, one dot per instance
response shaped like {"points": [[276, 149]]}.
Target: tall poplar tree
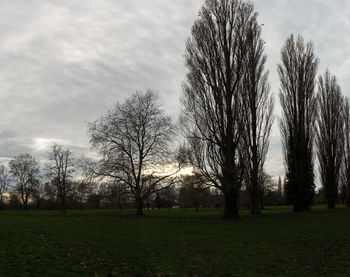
{"points": [[212, 101], [257, 115], [330, 135], [297, 73]]}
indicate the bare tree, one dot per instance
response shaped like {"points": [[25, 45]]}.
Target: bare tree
{"points": [[60, 170], [192, 189], [134, 140], [346, 161], [4, 183], [298, 100], [257, 115], [97, 195], [165, 198], [38, 195], [81, 190], [118, 194], [212, 105], [25, 172], [269, 185], [330, 135]]}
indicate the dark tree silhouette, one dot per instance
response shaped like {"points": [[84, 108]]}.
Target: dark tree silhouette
{"points": [[268, 186], [60, 170], [117, 194], [212, 105], [80, 190], [257, 117], [25, 172], [346, 162], [279, 186], [4, 183], [134, 140], [298, 100], [192, 189], [330, 135]]}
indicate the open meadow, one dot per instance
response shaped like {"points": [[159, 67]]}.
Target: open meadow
{"points": [[177, 242]]}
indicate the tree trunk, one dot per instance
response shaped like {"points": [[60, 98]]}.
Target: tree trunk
{"points": [[331, 192], [81, 204], [231, 205], [195, 203], [25, 203], [331, 204], [301, 206], [255, 188], [255, 205], [230, 187], [139, 206], [63, 208]]}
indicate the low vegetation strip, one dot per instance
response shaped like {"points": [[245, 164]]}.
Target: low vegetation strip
{"points": [[175, 242]]}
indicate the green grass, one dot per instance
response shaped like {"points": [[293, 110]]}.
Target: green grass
{"points": [[175, 243]]}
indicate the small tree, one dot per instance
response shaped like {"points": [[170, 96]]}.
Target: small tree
{"points": [[25, 172], [268, 186], [38, 196], [330, 135], [192, 189], [60, 170], [134, 141], [81, 189], [118, 194], [4, 183], [96, 196], [168, 196], [14, 202]]}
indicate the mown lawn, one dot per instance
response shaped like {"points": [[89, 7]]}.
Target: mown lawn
{"points": [[175, 243]]}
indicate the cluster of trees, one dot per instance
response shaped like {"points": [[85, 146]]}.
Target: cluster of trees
{"points": [[86, 194], [227, 104], [23, 182], [313, 112], [227, 111], [226, 119]]}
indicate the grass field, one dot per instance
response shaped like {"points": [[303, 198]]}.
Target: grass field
{"points": [[175, 243]]}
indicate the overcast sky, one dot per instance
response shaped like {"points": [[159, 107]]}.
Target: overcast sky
{"points": [[64, 63]]}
